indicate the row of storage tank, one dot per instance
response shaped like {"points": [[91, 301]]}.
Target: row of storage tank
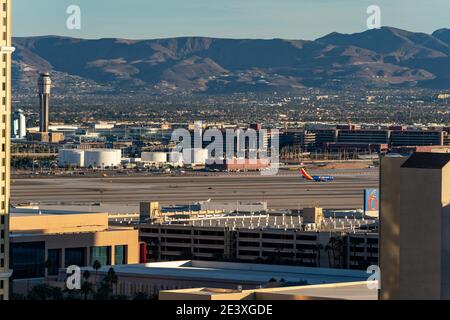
{"points": [[96, 158], [186, 157], [101, 158]]}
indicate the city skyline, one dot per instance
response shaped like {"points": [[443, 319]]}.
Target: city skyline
{"points": [[304, 19]]}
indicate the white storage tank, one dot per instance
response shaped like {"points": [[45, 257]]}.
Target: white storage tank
{"points": [[154, 157], [176, 158], [71, 157], [195, 156], [101, 158]]}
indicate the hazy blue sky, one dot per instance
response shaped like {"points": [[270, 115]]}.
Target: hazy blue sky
{"points": [[294, 19]]}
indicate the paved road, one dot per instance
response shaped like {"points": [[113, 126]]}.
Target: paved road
{"points": [[286, 190]]}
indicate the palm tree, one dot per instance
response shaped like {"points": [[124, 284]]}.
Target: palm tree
{"points": [[331, 248], [339, 248], [111, 278], [86, 289], [86, 286], [47, 265], [86, 275], [97, 265], [319, 247], [336, 246]]}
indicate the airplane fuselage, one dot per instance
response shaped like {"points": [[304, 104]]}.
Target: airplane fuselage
{"points": [[323, 178]]}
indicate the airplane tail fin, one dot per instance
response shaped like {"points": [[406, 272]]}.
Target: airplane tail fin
{"points": [[306, 175]]}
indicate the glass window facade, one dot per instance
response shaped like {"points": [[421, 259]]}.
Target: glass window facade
{"points": [[75, 257], [28, 260], [101, 254], [53, 261], [120, 255]]}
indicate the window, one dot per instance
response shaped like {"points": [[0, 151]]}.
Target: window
{"points": [[120, 255], [101, 254], [53, 261], [28, 260], [75, 257]]}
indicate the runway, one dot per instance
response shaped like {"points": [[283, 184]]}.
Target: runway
{"points": [[283, 191]]}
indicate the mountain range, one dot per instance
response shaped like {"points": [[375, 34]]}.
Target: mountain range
{"points": [[379, 58]]}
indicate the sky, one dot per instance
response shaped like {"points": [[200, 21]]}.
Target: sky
{"points": [[266, 19]]}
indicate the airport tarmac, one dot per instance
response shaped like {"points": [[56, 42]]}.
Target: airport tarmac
{"points": [[287, 190]]}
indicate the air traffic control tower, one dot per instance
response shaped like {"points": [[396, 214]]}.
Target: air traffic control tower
{"points": [[44, 85], [43, 135]]}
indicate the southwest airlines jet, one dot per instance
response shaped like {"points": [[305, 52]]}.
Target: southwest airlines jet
{"points": [[308, 177]]}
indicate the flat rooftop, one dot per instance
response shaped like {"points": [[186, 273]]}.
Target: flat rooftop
{"points": [[238, 272], [271, 221], [336, 291], [29, 211], [37, 221], [346, 291]]}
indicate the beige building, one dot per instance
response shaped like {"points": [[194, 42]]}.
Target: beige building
{"points": [[45, 241], [414, 226], [5, 134]]}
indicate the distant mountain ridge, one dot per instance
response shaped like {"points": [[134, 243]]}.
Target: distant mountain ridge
{"points": [[386, 57]]}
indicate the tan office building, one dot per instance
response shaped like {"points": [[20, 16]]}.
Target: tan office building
{"points": [[415, 226], [5, 119], [45, 241]]}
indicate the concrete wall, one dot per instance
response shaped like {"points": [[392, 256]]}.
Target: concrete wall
{"points": [[420, 235], [445, 237], [414, 231], [390, 226]]}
